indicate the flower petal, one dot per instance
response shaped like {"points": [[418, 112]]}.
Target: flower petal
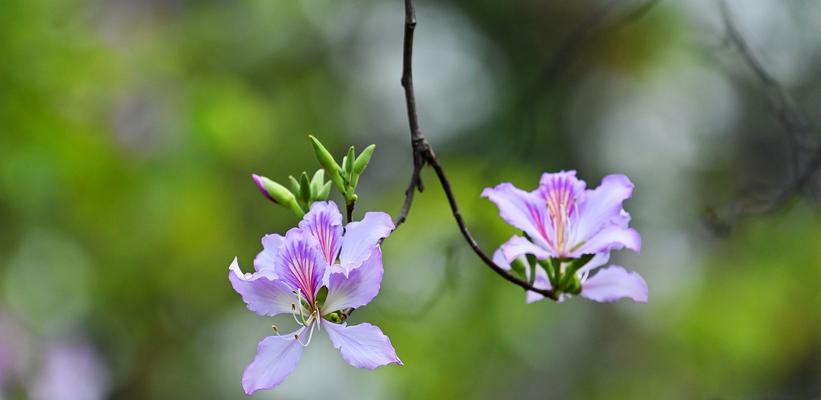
{"points": [[518, 246], [362, 236], [266, 259], [324, 223], [612, 283], [358, 288], [610, 238], [541, 282], [562, 179], [521, 209], [597, 261], [263, 293], [300, 263], [276, 358], [602, 207], [500, 260], [363, 345]]}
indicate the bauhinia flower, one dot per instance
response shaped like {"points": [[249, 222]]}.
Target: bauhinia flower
{"points": [[299, 275], [569, 232]]}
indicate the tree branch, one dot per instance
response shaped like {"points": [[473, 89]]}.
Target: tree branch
{"points": [[423, 154]]}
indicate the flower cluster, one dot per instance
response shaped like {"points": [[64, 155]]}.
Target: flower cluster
{"points": [[568, 233], [321, 270], [316, 272]]}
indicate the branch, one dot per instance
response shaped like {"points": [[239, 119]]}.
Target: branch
{"points": [[792, 120], [423, 155]]}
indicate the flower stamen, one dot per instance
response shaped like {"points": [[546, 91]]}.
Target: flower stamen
{"points": [[293, 314], [310, 335]]}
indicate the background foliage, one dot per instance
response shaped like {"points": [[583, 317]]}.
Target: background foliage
{"points": [[129, 130]]}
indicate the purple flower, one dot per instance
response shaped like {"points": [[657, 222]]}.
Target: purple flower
{"points": [[564, 222], [298, 275]]}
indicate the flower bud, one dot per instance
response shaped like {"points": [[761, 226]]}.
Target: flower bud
{"points": [[349, 159], [305, 190], [363, 159], [278, 194], [317, 183], [327, 161]]}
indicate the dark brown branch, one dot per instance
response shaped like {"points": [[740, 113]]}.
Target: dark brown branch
{"points": [[792, 120], [349, 211], [423, 155]]}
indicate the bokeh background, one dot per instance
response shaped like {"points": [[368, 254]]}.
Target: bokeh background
{"points": [[129, 130]]}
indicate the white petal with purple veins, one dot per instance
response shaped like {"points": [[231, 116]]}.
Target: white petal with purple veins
{"points": [[521, 209], [500, 260], [363, 345], [300, 263], [612, 283], [602, 206], [266, 259], [597, 261], [611, 238], [519, 246], [276, 358], [324, 223], [261, 291], [541, 282], [358, 288], [362, 237]]}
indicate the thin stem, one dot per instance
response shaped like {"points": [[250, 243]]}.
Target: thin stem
{"points": [[423, 154], [349, 211]]}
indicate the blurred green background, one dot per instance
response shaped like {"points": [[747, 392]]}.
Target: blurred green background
{"points": [[129, 130]]}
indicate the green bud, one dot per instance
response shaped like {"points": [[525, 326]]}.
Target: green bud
{"points": [[305, 190], [363, 159], [327, 161], [278, 194], [335, 317], [345, 174], [294, 184], [325, 191], [317, 181], [348, 162]]}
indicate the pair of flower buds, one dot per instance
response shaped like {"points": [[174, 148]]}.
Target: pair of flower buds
{"points": [[321, 270]]}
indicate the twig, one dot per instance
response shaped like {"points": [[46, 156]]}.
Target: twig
{"points": [[349, 211], [792, 120], [423, 155]]}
